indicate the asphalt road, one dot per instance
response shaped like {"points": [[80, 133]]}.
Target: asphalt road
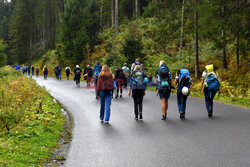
{"points": [[194, 142]]}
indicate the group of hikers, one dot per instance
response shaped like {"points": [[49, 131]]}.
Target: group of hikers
{"points": [[28, 70], [108, 86]]}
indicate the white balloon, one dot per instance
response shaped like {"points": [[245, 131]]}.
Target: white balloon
{"points": [[185, 91]]}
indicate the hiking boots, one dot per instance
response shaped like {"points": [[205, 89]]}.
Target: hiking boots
{"points": [[163, 117], [182, 116], [141, 116]]}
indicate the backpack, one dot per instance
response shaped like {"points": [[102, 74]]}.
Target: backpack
{"points": [[137, 78], [212, 80], [213, 83], [67, 70], [163, 77], [107, 85], [78, 72], [184, 78], [121, 75], [46, 69]]}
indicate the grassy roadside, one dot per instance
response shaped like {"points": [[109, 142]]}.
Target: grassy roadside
{"points": [[30, 122]]}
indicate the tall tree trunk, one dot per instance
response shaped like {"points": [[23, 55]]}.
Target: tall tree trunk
{"points": [[182, 26], [136, 8], [101, 13], [43, 40], [112, 13], [196, 19], [224, 61], [116, 16], [237, 49]]}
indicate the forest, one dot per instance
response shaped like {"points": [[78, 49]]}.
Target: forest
{"points": [[186, 33]]}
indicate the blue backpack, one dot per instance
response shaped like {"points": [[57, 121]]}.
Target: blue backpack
{"points": [[137, 79], [213, 84], [184, 78], [164, 77]]}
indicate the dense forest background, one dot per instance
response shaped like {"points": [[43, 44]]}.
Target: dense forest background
{"points": [[183, 32]]}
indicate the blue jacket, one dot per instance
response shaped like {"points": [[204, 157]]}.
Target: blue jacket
{"points": [[97, 69]]}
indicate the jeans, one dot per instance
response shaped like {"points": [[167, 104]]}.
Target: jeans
{"points": [[105, 105], [209, 96], [181, 100]]}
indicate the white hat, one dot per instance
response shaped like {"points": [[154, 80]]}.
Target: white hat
{"points": [[77, 66]]}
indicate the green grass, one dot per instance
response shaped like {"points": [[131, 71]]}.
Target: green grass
{"points": [[35, 135]]}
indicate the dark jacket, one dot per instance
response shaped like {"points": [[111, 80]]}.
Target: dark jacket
{"points": [[77, 72], [88, 71]]}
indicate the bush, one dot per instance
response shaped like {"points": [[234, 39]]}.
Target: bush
{"points": [[30, 121]]}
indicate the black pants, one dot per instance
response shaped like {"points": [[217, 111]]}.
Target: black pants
{"points": [[118, 91], [119, 83], [138, 95], [67, 75], [45, 76]]}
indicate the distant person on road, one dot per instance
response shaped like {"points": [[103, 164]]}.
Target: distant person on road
{"points": [[97, 70], [104, 91], [45, 72], [67, 71], [88, 74], [56, 72], [28, 69], [212, 84], [126, 71], [137, 62], [59, 68], [32, 69], [119, 80], [137, 84], [37, 72], [184, 81], [24, 69], [77, 77], [163, 80], [151, 80]]}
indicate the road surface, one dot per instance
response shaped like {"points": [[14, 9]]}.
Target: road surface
{"points": [[194, 142]]}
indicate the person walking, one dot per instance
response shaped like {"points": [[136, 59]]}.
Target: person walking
{"points": [[77, 77], [97, 70], [119, 80], [151, 80], [104, 92], [33, 70], [45, 72], [56, 72], [163, 80], [137, 62], [184, 81], [37, 72], [88, 74], [212, 84], [127, 74], [59, 68], [67, 71], [28, 69], [137, 87]]}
